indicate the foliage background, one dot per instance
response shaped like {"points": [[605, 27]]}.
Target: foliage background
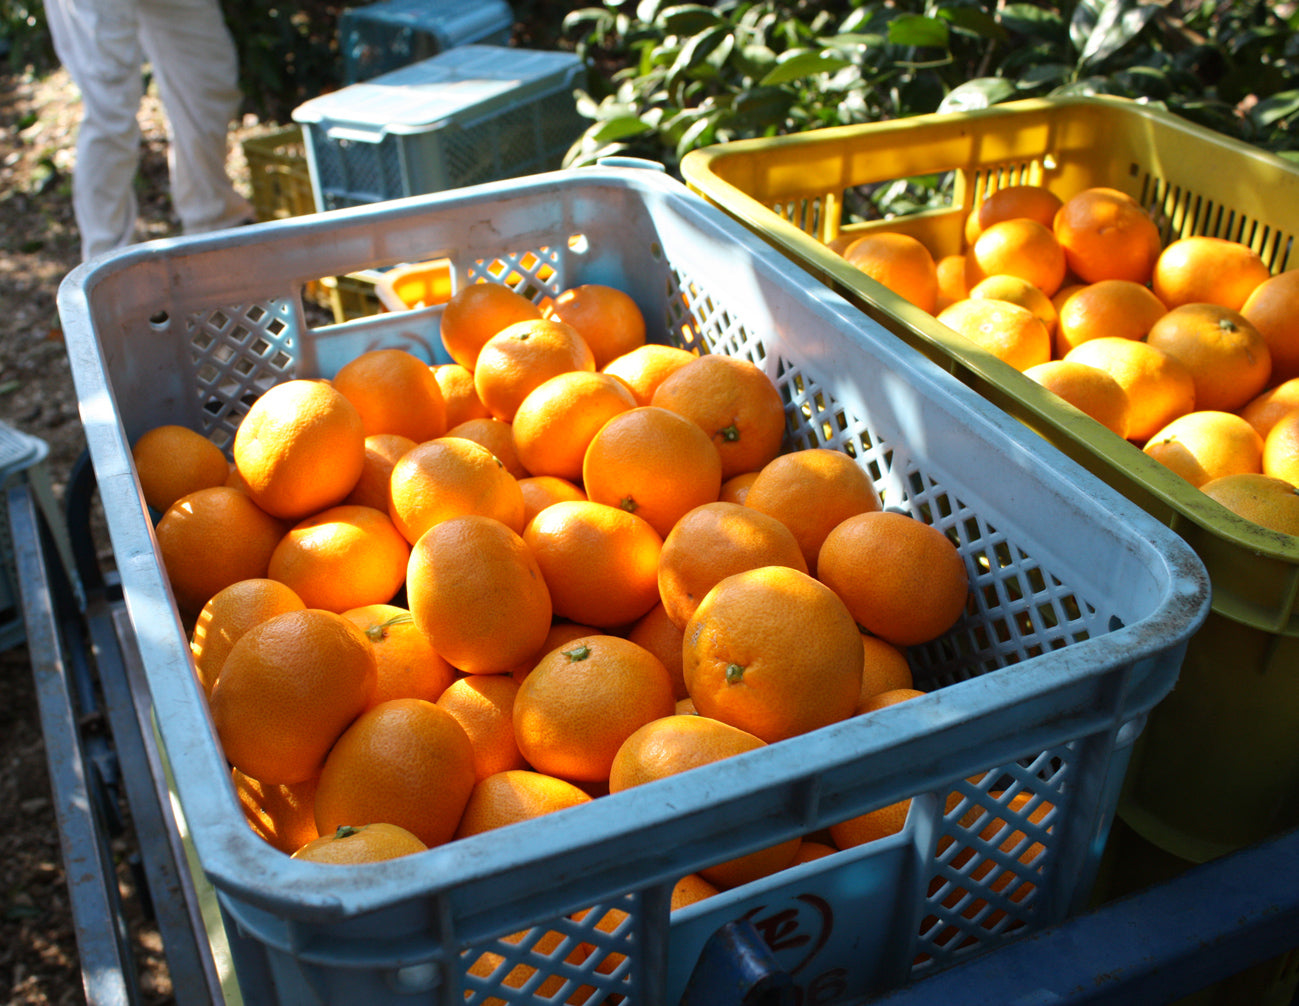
{"points": [[665, 77]]}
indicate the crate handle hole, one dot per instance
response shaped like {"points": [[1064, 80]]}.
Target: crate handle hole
{"points": [[160, 321]]}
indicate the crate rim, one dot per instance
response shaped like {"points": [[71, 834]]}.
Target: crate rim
{"points": [[226, 847], [697, 169]]}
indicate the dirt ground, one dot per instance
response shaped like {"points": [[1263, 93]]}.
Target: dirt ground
{"points": [[39, 245]]}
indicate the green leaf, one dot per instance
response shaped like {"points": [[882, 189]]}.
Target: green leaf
{"points": [[1274, 108], [918, 30], [697, 50], [688, 19], [974, 21], [618, 128], [803, 64], [978, 93], [1108, 29], [699, 134]]}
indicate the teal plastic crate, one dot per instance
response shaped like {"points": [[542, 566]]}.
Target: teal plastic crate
{"points": [[378, 38], [1081, 605], [473, 114]]}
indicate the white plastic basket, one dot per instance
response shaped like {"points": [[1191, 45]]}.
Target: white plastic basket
{"points": [[472, 114], [1082, 605]]}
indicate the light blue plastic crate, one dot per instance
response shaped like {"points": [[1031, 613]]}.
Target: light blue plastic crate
{"points": [[1082, 605], [473, 114], [378, 38]]}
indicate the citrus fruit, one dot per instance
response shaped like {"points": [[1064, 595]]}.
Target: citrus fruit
{"points": [[451, 477], [902, 579], [652, 462], [300, 448], [343, 557], [282, 815], [1267, 501], [607, 318], [690, 889], [518, 358], [459, 395], [810, 491], [557, 420], [405, 762], [369, 843], [539, 491], [1020, 247], [736, 488], [228, 614], [477, 312], [1263, 410], [1116, 308], [1206, 444], [1207, 270], [497, 436], [1273, 308], [476, 591], [951, 281], [212, 538], [1008, 331], [1036, 202], [645, 367], [599, 562], [382, 451], [1226, 355], [1281, 449], [561, 631], [711, 542], [288, 689], [871, 826], [672, 744], [1106, 234], [662, 637], [888, 697], [774, 652], [1017, 290], [406, 665], [515, 795], [1090, 390], [483, 705], [899, 262], [582, 700], [395, 392], [1159, 386], [735, 402], [174, 461], [885, 668]]}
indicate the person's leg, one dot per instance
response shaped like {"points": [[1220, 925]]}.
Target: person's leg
{"points": [[196, 65], [98, 43]]}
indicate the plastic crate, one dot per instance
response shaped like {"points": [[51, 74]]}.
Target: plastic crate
{"points": [[1218, 765], [1081, 605], [473, 114], [381, 37], [277, 170]]}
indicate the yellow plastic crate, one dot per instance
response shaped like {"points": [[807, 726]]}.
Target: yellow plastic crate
{"points": [[277, 169], [1218, 765]]}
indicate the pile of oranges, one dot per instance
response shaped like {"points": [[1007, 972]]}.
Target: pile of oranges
{"points": [[1189, 349], [428, 601]]}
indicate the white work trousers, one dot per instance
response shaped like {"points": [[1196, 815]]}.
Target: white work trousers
{"points": [[103, 44]]}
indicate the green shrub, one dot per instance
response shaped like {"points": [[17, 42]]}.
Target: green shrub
{"points": [[666, 78]]}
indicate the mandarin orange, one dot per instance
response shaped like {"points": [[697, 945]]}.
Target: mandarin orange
{"points": [[583, 700], [381, 767], [288, 689], [477, 592], [652, 462], [773, 651]]}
